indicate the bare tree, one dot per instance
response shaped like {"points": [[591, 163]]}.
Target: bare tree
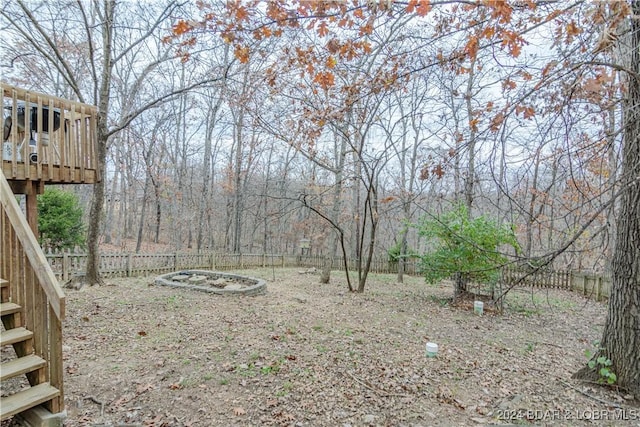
{"points": [[103, 36]]}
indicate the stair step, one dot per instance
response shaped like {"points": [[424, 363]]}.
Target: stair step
{"points": [[21, 366], [14, 335], [26, 399], [9, 308]]}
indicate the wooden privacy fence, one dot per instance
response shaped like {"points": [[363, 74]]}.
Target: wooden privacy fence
{"points": [[68, 265], [592, 285], [541, 278]]}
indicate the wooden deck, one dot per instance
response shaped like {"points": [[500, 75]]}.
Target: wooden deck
{"points": [[47, 139]]}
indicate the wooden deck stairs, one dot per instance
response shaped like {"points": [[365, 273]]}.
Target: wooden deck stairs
{"points": [[45, 140], [26, 364], [32, 307]]}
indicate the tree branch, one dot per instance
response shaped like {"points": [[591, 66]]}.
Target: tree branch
{"points": [[127, 119], [65, 71]]}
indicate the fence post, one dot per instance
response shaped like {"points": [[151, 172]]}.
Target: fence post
{"points": [[599, 291], [213, 261], [65, 267], [264, 260], [175, 261], [129, 262]]}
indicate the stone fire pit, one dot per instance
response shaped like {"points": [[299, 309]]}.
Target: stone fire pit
{"points": [[213, 282]]}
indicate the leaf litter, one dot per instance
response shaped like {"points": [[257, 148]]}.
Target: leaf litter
{"points": [[307, 354]]}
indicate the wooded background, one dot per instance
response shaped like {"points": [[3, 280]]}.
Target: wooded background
{"points": [[207, 150]]}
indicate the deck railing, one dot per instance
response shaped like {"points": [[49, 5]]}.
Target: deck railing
{"points": [[48, 139], [34, 287]]}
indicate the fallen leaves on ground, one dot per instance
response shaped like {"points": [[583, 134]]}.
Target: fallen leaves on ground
{"points": [[164, 357]]}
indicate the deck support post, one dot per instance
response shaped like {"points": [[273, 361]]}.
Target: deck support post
{"points": [[32, 189]]}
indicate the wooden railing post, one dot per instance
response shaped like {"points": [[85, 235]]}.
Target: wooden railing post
{"points": [[56, 371]]}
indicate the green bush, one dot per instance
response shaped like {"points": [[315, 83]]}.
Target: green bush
{"points": [[60, 220], [464, 247]]}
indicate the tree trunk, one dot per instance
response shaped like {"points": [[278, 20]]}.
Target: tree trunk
{"points": [[143, 213], [157, 194], [408, 179], [530, 215], [102, 126], [108, 223], [621, 338], [93, 234], [179, 204], [357, 207], [123, 207], [404, 192], [613, 177], [325, 275], [471, 148], [402, 260], [372, 207], [206, 174], [237, 184], [460, 286], [131, 191]]}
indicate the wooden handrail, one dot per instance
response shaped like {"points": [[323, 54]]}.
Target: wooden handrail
{"points": [[61, 103], [48, 139], [32, 250]]}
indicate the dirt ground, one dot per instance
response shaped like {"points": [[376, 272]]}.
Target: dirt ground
{"points": [[306, 354]]}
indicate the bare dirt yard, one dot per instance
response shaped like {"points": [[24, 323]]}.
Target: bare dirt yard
{"points": [[306, 354]]}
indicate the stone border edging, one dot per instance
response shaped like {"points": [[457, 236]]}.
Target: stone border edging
{"points": [[255, 286]]}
